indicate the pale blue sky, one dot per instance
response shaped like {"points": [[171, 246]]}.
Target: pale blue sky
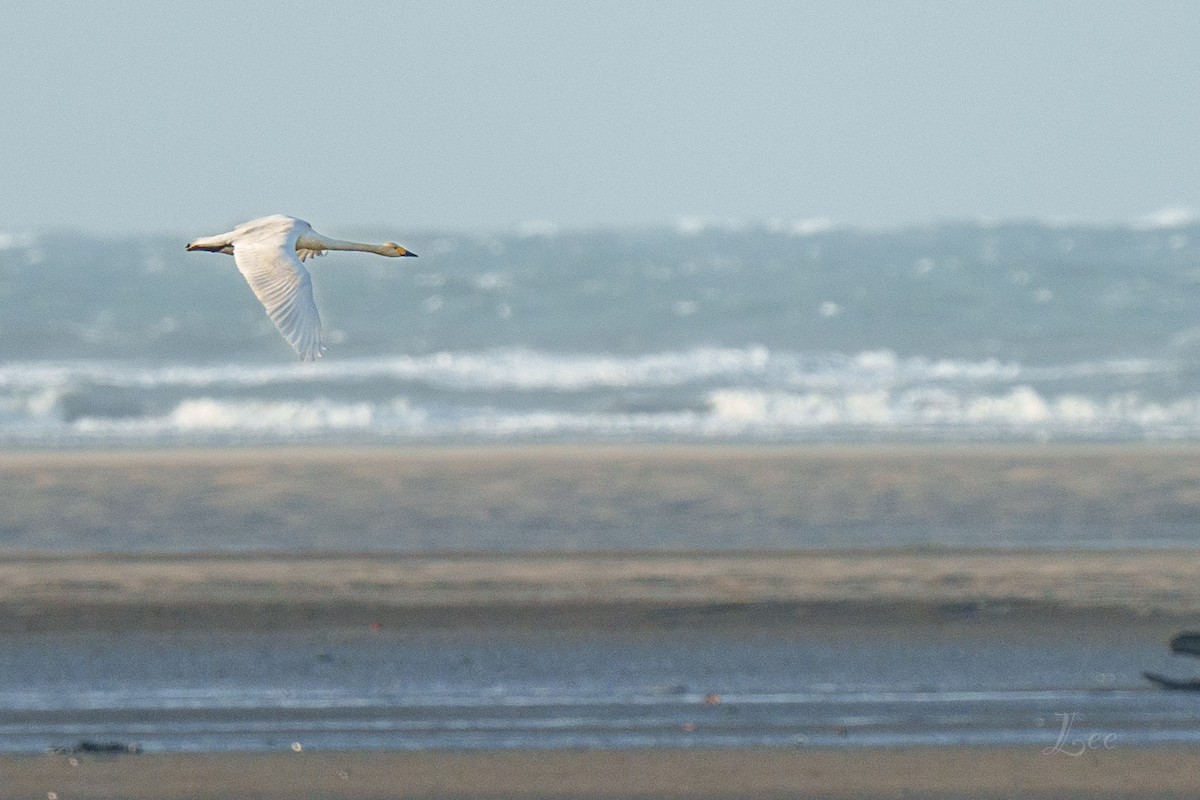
{"points": [[147, 117]]}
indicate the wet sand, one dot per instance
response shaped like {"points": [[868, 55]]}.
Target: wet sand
{"points": [[762, 773], [598, 497], [274, 592], [244, 538]]}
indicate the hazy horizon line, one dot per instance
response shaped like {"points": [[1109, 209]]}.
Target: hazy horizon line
{"points": [[1166, 217]]}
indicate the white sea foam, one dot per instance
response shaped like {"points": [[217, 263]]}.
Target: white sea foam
{"points": [[207, 416], [37, 407], [204, 418], [804, 227], [529, 370], [12, 241], [749, 392], [949, 414], [729, 413], [498, 369], [689, 225], [1168, 218], [538, 228]]}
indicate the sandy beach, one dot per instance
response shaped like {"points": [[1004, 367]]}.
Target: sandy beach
{"points": [[585, 535], [598, 497], [762, 773], [273, 592], [314, 540]]}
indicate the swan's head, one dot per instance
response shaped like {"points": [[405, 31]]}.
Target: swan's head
{"points": [[394, 250]]}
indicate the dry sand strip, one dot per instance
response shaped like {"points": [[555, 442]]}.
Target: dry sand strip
{"points": [[744, 774], [252, 591]]}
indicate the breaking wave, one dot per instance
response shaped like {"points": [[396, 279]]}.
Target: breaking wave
{"points": [[749, 393]]}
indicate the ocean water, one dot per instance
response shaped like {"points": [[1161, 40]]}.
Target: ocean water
{"points": [[775, 332], [178, 692]]}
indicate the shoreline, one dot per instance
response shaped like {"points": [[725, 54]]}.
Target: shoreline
{"points": [[60, 592], [983, 772]]}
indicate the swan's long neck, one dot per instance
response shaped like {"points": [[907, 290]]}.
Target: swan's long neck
{"points": [[314, 242], [341, 244]]}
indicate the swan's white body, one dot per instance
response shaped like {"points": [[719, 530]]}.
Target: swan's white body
{"points": [[268, 252]]}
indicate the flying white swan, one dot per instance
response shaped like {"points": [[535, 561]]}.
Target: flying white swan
{"points": [[268, 252]]}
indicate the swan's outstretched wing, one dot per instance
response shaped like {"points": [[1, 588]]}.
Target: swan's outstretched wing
{"points": [[284, 287]]}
